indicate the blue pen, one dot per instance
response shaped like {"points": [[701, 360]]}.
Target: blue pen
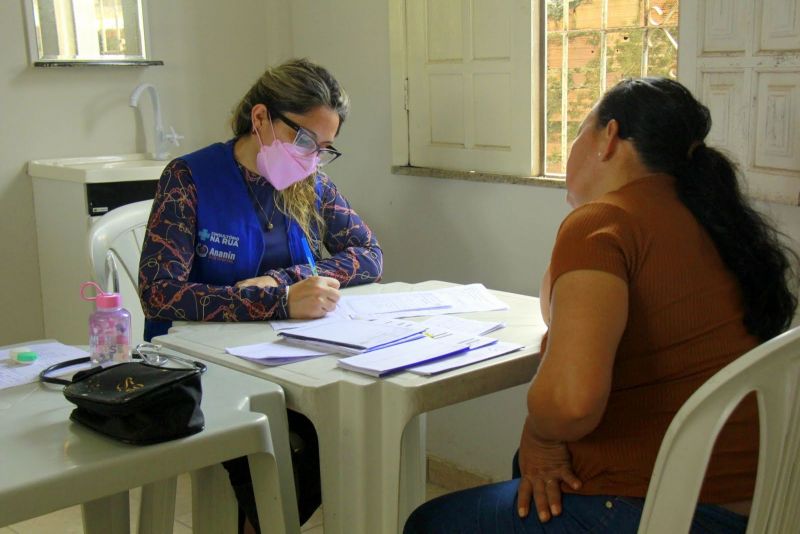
{"points": [[309, 256]]}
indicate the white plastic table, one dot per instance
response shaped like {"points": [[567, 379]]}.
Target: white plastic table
{"points": [[371, 433], [49, 462]]}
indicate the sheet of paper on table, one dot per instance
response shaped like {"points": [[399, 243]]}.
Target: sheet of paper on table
{"points": [[289, 324], [459, 324], [457, 299], [390, 303], [14, 374], [274, 353]]}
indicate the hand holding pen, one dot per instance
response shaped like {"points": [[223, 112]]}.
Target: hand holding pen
{"points": [[313, 297]]}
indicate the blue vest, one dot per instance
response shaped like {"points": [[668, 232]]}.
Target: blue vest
{"points": [[229, 243]]}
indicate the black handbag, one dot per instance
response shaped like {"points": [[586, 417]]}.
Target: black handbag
{"points": [[136, 402]]}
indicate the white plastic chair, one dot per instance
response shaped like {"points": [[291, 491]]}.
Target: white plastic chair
{"points": [[772, 370], [115, 245]]}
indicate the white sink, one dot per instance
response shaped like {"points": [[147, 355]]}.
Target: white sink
{"points": [[99, 169]]}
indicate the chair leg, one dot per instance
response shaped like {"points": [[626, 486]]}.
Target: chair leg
{"points": [[267, 490], [214, 507], [279, 433]]}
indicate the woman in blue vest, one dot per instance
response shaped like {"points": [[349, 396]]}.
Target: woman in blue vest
{"points": [[233, 225]]}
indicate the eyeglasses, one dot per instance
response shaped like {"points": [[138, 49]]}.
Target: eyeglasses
{"points": [[307, 143]]}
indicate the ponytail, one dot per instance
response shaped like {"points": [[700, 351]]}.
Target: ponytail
{"points": [[707, 184], [749, 246]]}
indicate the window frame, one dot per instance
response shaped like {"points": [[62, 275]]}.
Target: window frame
{"points": [[398, 81], [760, 183]]}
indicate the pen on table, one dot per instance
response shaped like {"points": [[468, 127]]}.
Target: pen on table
{"points": [[309, 257]]}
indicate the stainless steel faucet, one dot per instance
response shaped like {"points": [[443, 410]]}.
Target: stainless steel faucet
{"points": [[161, 139]]}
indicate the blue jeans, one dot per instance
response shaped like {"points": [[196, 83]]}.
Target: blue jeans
{"points": [[493, 508]]}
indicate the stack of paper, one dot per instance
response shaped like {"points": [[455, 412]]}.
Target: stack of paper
{"points": [[465, 358], [430, 355], [353, 336], [459, 299], [399, 357], [371, 324], [384, 346]]}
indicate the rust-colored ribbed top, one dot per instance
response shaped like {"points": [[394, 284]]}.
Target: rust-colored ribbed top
{"points": [[684, 324]]}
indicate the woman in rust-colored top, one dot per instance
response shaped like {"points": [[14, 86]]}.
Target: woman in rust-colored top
{"points": [[660, 276]]}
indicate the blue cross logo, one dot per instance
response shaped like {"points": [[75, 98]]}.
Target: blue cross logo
{"points": [[203, 234]]}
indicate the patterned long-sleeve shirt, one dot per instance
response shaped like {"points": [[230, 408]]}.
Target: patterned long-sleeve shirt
{"points": [[169, 252]]}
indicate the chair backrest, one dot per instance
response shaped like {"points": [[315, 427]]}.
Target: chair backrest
{"points": [[119, 235], [772, 370]]}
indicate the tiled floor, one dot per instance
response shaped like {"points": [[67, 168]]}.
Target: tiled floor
{"points": [[68, 520]]}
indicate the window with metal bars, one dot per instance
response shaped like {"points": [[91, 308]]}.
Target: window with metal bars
{"points": [[591, 45]]}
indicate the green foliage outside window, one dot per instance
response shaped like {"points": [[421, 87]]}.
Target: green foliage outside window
{"points": [[642, 43]]}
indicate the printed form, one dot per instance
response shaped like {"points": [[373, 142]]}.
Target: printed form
{"points": [[14, 374]]}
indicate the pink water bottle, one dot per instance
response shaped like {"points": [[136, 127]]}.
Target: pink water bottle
{"points": [[109, 327]]}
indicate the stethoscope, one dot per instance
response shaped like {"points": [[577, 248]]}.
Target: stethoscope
{"points": [[148, 353]]}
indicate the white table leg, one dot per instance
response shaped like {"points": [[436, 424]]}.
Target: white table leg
{"points": [[362, 448], [157, 511], [413, 469], [107, 515]]}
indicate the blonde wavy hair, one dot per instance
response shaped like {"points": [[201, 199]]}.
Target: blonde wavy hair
{"points": [[296, 86]]}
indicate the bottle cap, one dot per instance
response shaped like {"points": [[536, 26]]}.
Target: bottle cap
{"points": [[102, 300], [108, 300], [23, 355]]}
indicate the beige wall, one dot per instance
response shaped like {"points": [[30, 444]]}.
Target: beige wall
{"points": [[211, 55], [500, 235]]}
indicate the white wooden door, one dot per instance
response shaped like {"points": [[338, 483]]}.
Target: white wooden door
{"points": [[742, 59]]}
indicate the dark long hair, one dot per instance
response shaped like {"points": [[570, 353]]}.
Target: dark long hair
{"points": [[667, 126]]}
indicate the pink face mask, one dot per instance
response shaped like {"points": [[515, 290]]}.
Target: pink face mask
{"points": [[281, 163]]}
